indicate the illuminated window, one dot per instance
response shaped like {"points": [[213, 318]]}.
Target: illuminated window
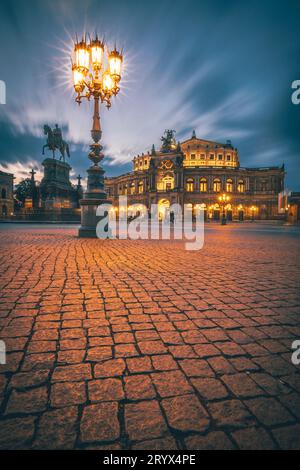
{"points": [[190, 185], [125, 189], [241, 186], [166, 183], [203, 185], [132, 188], [202, 156], [217, 185], [141, 187], [193, 156], [229, 185]]}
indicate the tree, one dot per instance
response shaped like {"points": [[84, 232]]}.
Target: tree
{"points": [[24, 190]]}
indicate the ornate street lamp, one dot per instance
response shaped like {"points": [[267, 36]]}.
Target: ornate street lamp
{"points": [[253, 210], [96, 75], [224, 199]]}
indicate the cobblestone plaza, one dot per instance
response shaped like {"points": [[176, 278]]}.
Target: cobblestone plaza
{"points": [[119, 344]]}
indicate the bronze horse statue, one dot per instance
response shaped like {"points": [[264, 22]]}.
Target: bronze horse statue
{"points": [[56, 142]]}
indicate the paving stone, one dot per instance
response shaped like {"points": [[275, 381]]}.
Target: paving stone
{"points": [[99, 423], [166, 443], [215, 440], [269, 411], [230, 414], [38, 361], [57, 429], [139, 364], [164, 362], [16, 433], [110, 368], [152, 347], [23, 380], [288, 437], [253, 439], [185, 414], [139, 387], [99, 353], [291, 401], [196, 368], [209, 388], [126, 350], [72, 373], [206, 350], [105, 390], [242, 385], [182, 351], [171, 383], [271, 385], [144, 420], [31, 401], [67, 394]]}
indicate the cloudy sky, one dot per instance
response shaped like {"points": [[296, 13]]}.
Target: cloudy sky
{"points": [[224, 68]]}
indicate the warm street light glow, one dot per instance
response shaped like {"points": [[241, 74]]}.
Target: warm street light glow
{"points": [[115, 63], [82, 57], [224, 198], [97, 53], [91, 58], [78, 79], [107, 82], [223, 202]]}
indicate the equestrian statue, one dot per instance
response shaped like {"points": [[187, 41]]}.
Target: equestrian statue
{"points": [[56, 142]]}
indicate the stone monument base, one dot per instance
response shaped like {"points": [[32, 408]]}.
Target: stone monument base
{"points": [[56, 189]]}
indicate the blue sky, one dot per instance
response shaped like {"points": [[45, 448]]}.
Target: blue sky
{"points": [[222, 67]]}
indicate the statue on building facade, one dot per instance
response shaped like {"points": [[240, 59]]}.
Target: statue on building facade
{"points": [[55, 142], [168, 141]]}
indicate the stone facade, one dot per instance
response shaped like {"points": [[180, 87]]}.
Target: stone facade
{"points": [[6, 194], [197, 172]]}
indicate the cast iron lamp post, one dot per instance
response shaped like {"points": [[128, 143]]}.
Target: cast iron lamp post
{"points": [[224, 199], [253, 210], [96, 75]]}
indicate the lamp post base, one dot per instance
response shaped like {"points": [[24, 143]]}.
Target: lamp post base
{"points": [[89, 219], [93, 197]]}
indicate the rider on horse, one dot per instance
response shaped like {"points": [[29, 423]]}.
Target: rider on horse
{"points": [[56, 142]]}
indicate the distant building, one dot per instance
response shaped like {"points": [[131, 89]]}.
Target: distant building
{"points": [[6, 194], [197, 172]]}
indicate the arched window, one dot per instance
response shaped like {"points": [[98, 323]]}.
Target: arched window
{"points": [[190, 185], [132, 188], [217, 185], [125, 189], [229, 185], [241, 186], [203, 185], [3, 193], [141, 187]]}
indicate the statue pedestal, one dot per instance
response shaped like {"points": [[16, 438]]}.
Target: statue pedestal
{"points": [[56, 189], [93, 197]]}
